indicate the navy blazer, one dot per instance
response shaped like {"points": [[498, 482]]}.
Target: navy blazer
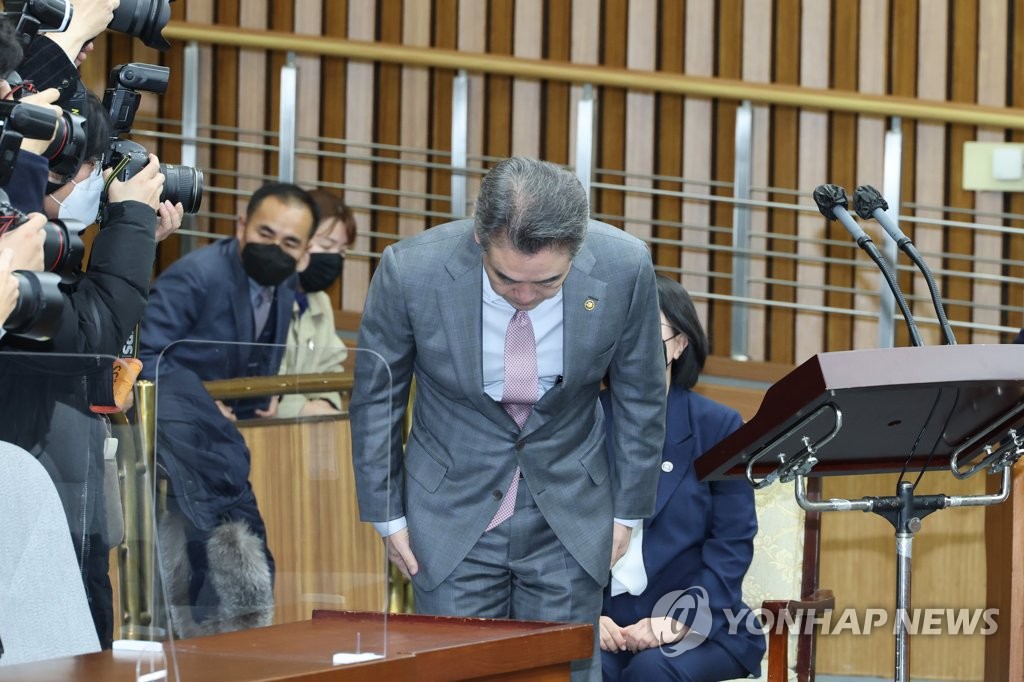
{"points": [[701, 534], [204, 297]]}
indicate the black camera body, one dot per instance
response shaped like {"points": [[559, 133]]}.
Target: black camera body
{"points": [[35, 16], [18, 121], [182, 184]]}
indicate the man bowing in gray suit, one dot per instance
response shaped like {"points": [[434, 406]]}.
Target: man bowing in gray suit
{"points": [[504, 503]]}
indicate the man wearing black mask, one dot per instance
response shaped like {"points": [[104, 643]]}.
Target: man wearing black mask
{"points": [[313, 343], [220, 313]]}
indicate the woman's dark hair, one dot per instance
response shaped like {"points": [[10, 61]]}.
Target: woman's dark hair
{"points": [[331, 206], [98, 127], [678, 309]]}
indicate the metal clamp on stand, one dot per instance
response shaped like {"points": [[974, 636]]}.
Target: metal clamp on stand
{"points": [[905, 512], [804, 460], [1009, 449]]}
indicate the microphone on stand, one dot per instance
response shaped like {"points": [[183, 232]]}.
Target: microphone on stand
{"points": [[832, 202], [869, 203]]}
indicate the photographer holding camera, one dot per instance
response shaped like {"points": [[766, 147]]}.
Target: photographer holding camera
{"points": [[96, 309]]}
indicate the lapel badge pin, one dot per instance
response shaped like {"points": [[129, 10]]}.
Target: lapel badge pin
{"points": [[666, 467], [589, 304]]}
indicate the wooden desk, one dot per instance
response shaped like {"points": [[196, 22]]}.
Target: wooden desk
{"points": [[419, 648]]}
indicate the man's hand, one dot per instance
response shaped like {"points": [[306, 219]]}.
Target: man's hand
{"points": [[400, 553], [43, 98], [88, 20], [611, 635], [317, 407], [171, 216], [620, 540], [653, 632], [145, 186], [271, 410], [26, 241], [8, 285], [228, 413]]}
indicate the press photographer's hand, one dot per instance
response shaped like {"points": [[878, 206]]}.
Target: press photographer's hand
{"points": [[145, 186], [89, 19], [26, 242], [8, 285], [44, 98], [170, 216]]}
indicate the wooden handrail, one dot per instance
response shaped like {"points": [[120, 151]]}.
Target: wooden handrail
{"points": [[654, 81], [282, 384]]}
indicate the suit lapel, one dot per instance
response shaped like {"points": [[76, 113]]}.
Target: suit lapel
{"points": [[581, 299], [242, 310], [460, 305], [679, 444]]}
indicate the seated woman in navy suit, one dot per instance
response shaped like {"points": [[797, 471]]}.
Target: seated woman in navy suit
{"points": [[664, 615]]}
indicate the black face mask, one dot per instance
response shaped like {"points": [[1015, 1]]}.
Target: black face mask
{"points": [[267, 264], [323, 269]]}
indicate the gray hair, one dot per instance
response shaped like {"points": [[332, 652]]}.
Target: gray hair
{"points": [[531, 205]]}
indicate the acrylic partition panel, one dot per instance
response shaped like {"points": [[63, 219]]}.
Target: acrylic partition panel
{"points": [[258, 524]]}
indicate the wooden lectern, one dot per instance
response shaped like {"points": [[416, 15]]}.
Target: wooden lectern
{"points": [[886, 410]]}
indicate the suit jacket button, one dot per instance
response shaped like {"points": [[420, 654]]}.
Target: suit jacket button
{"points": [[520, 444], [666, 467], [497, 494]]}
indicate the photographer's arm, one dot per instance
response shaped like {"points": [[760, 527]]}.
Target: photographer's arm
{"points": [[8, 285], [89, 19]]}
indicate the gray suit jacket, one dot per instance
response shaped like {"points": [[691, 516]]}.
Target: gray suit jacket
{"points": [[423, 317]]}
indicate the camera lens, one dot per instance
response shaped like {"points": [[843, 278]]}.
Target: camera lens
{"points": [[144, 19], [62, 251], [36, 315], [67, 150], [184, 184]]}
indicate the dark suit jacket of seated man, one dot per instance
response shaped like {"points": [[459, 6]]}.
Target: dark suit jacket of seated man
{"points": [[205, 313]]}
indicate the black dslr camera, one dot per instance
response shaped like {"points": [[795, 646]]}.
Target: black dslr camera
{"points": [[36, 315], [121, 99], [62, 250], [18, 121], [144, 19]]}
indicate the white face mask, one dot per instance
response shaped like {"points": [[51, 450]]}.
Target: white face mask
{"points": [[79, 208]]}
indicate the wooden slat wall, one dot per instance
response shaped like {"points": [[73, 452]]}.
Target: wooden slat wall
{"points": [[933, 49]]}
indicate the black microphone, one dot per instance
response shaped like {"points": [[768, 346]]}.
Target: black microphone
{"points": [[870, 203], [832, 202]]}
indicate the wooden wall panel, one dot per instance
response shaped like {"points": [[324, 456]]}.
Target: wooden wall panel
{"points": [[992, 44], [842, 170], [415, 122], [360, 82], [640, 121], [528, 38], [668, 152], [697, 153], [785, 143], [815, 40], [325, 557], [585, 49], [556, 110], [611, 111], [729, 32], [931, 148], [871, 72], [757, 62], [473, 38]]}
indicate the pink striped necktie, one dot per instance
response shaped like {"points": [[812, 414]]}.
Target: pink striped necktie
{"points": [[520, 393]]}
